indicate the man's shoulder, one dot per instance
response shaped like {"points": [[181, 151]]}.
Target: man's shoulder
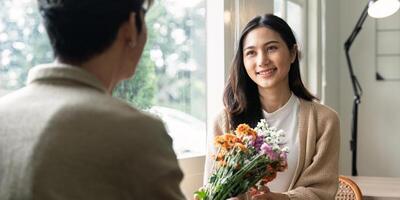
{"points": [[105, 110], [114, 124]]}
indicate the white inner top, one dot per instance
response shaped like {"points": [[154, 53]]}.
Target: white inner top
{"points": [[286, 118]]}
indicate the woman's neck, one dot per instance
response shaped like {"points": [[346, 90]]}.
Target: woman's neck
{"points": [[273, 99]]}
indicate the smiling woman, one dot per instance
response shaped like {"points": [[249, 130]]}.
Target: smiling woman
{"points": [[265, 83]]}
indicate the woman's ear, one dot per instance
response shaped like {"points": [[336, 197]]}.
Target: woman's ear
{"points": [[293, 53]]}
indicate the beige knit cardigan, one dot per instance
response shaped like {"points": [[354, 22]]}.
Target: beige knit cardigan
{"points": [[316, 174]]}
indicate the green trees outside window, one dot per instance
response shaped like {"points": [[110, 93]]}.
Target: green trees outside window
{"points": [[170, 74]]}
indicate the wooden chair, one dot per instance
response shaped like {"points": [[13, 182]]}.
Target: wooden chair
{"points": [[348, 190]]}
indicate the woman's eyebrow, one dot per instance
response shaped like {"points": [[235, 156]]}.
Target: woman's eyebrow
{"points": [[267, 43]]}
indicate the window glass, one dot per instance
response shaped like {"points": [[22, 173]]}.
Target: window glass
{"points": [[170, 78], [23, 42], [295, 20], [278, 8], [295, 16]]}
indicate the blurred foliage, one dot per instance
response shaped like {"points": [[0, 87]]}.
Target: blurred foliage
{"points": [[22, 42], [139, 90], [176, 37], [171, 72]]}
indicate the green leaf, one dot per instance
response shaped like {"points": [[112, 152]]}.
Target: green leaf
{"points": [[200, 195]]}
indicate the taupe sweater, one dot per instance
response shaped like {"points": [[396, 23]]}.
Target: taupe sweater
{"points": [[316, 174], [64, 138]]}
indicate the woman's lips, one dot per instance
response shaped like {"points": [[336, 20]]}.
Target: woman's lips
{"points": [[267, 72]]}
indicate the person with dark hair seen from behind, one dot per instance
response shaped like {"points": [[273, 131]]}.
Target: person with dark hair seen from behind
{"points": [[265, 83], [64, 136]]}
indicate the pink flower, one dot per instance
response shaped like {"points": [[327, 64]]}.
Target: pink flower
{"points": [[283, 155], [267, 150]]}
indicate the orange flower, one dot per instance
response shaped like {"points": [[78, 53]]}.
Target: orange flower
{"points": [[229, 140], [244, 130], [241, 146], [222, 163], [226, 141], [221, 155], [219, 140], [253, 133], [229, 137]]}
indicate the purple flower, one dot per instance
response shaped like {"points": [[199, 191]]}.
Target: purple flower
{"points": [[258, 142]]}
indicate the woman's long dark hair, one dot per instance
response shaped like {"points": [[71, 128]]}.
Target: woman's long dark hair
{"points": [[241, 97]]}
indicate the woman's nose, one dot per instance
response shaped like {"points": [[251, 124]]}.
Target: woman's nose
{"points": [[262, 60]]}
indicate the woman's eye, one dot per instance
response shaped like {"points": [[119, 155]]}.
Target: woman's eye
{"points": [[272, 48], [250, 53]]}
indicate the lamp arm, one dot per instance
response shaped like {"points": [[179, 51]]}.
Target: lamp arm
{"points": [[356, 88], [357, 28], [356, 85]]}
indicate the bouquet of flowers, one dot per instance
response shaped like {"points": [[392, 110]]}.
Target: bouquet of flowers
{"points": [[245, 159]]}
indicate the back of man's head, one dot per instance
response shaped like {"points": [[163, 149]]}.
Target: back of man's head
{"points": [[81, 29]]}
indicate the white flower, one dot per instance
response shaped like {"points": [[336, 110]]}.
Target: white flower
{"points": [[281, 133], [285, 149]]}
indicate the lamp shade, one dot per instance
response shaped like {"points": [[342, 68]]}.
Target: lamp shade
{"points": [[382, 8]]}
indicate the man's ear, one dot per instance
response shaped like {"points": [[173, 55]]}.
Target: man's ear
{"points": [[129, 31], [293, 53]]}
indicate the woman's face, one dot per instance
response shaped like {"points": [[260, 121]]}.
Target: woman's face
{"points": [[267, 58]]}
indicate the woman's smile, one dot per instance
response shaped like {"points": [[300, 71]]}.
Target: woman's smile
{"points": [[267, 73]]}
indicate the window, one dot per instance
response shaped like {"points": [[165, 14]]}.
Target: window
{"points": [[294, 13], [170, 78], [295, 20], [23, 43]]}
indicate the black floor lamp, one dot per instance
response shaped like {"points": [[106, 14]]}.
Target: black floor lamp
{"points": [[376, 9]]}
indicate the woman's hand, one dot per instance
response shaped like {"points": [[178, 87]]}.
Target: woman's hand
{"points": [[270, 196], [261, 194], [251, 193], [244, 196]]}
